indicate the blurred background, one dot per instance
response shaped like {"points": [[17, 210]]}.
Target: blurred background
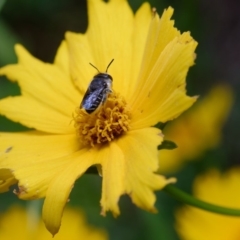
{"points": [[40, 27]]}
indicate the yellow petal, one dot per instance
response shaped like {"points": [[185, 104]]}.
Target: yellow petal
{"points": [[109, 36], [38, 79], [163, 82], [61, 186], [113, 166], [141, 27], [172, 108], [161, 32], [134, 174], [35, 158], [45, 83], [33, 114], [6, 180], [79, 57], [140, 149], [62, 58], [113, 31]]}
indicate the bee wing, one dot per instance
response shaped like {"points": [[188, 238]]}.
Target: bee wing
{"points": [[90, 98]]}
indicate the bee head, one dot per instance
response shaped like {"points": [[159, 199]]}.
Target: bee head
{"points": [[103, 76]]}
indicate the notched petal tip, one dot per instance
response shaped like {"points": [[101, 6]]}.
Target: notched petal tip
{"points": [[114, 210], [161, 135], [20, 192], [167, 13], [23, 193]]}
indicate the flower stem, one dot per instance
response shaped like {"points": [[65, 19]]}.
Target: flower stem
{"points": [[190, 200]]}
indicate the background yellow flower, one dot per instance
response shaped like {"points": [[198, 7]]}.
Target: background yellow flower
{"points": [[24, 224], [197, 130], [217, 188]]}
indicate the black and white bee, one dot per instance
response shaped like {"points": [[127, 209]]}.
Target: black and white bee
{"points": [[97, 91]]}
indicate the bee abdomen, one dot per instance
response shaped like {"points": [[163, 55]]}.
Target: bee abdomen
{"points": [[95, 104]]}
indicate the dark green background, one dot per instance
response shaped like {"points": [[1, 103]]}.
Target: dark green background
{"points": [[40, 27]]}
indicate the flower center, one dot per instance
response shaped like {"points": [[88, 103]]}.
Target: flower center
{"points": [[109, 122]]}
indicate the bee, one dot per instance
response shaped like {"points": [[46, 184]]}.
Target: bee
{"points": [[97, 91]]}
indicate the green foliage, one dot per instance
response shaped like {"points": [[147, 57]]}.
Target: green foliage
{"points": [[166, 144]]}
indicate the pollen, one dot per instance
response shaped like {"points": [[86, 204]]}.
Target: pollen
{"points": [[108, 122]]}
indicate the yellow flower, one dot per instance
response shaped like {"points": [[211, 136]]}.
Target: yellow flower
{"points": [[196, 130], [219, 189], [17, 223], [152, 59]]}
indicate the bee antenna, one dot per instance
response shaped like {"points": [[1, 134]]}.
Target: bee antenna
{"points": [[109, 65], [94, 67]]}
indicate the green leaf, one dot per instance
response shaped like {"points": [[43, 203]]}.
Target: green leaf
{"points": [[166, 144], [92, 170], [160, 125]]}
